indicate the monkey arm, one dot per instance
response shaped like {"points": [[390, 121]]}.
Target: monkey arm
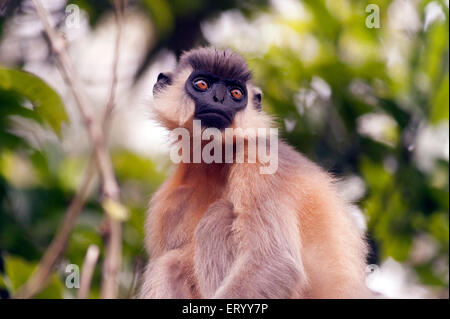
{"points": [[214, 247], [268, 262], [169, 277]]}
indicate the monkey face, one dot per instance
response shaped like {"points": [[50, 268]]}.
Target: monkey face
{"points": [[217, 99], [210, 85]]}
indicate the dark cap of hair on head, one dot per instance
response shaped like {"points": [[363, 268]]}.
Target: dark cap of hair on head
{"points": [[224, 63]]}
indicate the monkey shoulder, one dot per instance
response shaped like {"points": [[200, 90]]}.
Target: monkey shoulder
{"points": [[296, 168], [298, 178], [311, 187], [304, 168]]}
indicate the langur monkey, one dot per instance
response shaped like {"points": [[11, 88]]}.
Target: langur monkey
{"points": [[224, 230]]}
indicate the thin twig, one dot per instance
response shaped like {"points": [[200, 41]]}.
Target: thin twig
{"points": [[104, 164], [88, 270], [53, 253], [119, 7], [110, 187], [112, 261], [113, 244]]}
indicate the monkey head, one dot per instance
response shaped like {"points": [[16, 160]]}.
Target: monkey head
{"points": [[210, 85], [217, 99]]}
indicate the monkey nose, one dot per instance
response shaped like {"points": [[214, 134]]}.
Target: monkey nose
{"points": [[219, 95], [218, 100]]}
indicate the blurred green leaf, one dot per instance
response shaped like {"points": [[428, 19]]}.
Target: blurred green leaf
{"points": [[18, 272], [161, 14], [44, 99], [115, 210], [440, 103], [131, 166], [2, 282]]}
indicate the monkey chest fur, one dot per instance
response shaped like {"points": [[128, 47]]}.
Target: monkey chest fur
{"points": [[173, 224]]}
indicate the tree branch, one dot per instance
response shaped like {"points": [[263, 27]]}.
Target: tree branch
{"points": [[113, 243], [112, 261], [87, 271], [110, 187], [119, 8], [53, 253]]}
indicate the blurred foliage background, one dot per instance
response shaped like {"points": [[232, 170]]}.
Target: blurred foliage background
{"points": [[370, 104]]}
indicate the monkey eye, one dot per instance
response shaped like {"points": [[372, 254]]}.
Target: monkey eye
{"points": [[201, 84], [237, 94]]}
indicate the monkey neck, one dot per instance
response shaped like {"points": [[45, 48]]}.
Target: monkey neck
{"points": [[239, 147], [213, 172], [207, 179]]}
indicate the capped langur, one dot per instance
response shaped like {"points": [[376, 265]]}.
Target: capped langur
{"points": [[224, 230]]}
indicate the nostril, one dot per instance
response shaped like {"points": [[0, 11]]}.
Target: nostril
{"points": [[217, 100]]}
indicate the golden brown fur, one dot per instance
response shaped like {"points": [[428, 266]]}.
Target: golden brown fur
{"points": [[227, 231]]}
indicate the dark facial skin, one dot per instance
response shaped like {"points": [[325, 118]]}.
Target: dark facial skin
{"points": [[217, 100], [214, 106]]}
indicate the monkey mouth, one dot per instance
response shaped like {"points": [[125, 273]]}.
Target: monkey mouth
{"points": [[214, 118]]}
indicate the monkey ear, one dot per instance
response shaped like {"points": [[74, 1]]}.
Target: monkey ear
{"points": [[257, 98], [164, 79]]}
